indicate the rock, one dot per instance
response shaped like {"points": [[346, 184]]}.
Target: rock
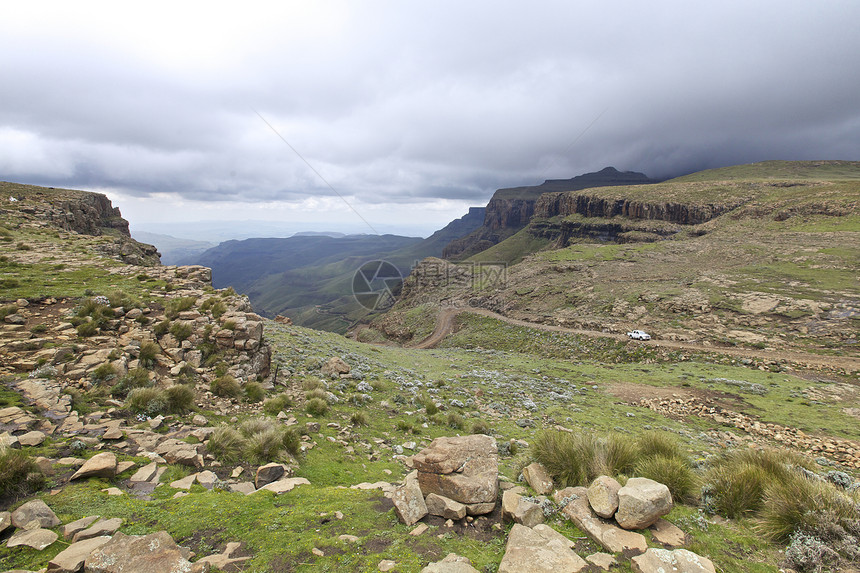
{"points": [[224, 559], [71, 559], [101, 527], [668, 534], [348, 538], [677, 561], [184, 483], [603, 496], [409, 500], [603, 561], [124, 466], [539, 550], [269, 473], [8, 441], [519, 510], [153, 553], [335, 366], [199, 420], [37, 538], [36, 510], [100, 465], [419, 530], [453, 563], [5, 521], [207, 479], [146, 473], [244, 487], [70, 529], [284, 485], [480, 508], [538, 478], [606, 534], [112, 491], [444, 507], [641, 502], [34, 438], [463, 468]]}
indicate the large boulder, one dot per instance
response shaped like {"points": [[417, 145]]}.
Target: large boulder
{"points": [[409, 500], [603, 496], [100, 465], [641, 502], [538, 478], [539, 550], [153, 553], [71, 559], [677, 561], [605, 533], [462, 468], [36, 510]]}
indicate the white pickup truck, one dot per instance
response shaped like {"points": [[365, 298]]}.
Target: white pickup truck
{"points": [[638, 335]]}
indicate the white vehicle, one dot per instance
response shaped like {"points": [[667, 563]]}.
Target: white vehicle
{"points": [[638, 335]]}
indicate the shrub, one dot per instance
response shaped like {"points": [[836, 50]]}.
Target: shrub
{"points": [[316, 393], [149, 401], [359, 418], [187, 375], [177, 305], [87, 329], [403, 426], [161, 328], [39, 328], [480, 427], [226, 444], [180, 398], [226, 386], [19, 474], [568, 457], [431, 408], [807, 553], [215, 306], [674, 472], [147, 353], [276, 404], [316, 407], [291, 441], [254, 392], [104, 373], [309, 384], [136, 378], [181, 331], [455, 421]]}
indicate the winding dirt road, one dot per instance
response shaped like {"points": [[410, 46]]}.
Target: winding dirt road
{"points": [[445, 325]]}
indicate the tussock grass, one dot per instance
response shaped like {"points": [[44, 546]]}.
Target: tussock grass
{"points": [[254, 392], [317, 393], [359, 418], [226, 386], [148, 352], [226, 444], [19, 473], [135, 378], [568, 457], [674, 472], [177, 305], [277, 404], [258, 440], [180, 398], [316, 407]]}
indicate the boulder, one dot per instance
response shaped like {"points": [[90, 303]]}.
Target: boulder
{"points": [[71, 559], [606, 534], [100, 528], [462, 468], [153, 553], [519, 510], [538, 478], [641, 502], [603, 496], [269, 473], [539, 550], [453, 563], [33, 438], [5, 520], [100, 465], [409, 501], [35, 510], [677, 561], [36, 538], [668, 534], [72, 528], [284, 485], [146, 473], [207, 479], [444, 507], [603, 561], [335, 366]]}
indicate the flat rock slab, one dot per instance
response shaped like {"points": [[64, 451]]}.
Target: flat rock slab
{"points": [[99, 528], [604, 533], [184, 483], [36, 510], [668, 534], [453, 563], [666, 561], [146, 473], [38, 538], [73, 527], [154, 553], [245, 487], [603, 561], [100, 465], [5, 520], [409, 501], [538, 478], [34, 438], [539, 550], [284, 485], [71, 559]]}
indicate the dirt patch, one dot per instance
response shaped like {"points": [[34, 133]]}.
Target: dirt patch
{"points": [[633, 393], [203, 541], [382, 504], [376, 545]]}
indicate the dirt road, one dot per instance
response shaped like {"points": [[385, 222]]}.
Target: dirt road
{"points": [[445, 324]]}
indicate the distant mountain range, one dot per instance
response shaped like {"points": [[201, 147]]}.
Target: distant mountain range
{"points": [[308, 276]]}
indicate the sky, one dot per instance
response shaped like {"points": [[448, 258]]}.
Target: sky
{"points": [[392, 116]]}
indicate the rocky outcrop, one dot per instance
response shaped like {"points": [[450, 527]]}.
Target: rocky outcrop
{"points": [[509, 210], [462, 468]]}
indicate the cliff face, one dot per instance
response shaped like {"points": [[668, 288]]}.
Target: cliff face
{"points": [[551, 205], [509, 210]]}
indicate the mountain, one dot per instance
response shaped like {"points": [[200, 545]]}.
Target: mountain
{"points": [[309, 277], [174, 251], [509, 210], [762, 255]]}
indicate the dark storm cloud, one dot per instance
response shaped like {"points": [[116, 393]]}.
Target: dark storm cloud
{"points": [[394, 103]]}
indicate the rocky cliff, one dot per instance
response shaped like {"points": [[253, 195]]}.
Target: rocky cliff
{"points": [[81, 212], [509, 210]]}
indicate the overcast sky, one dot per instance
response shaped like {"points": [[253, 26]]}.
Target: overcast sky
{"points": [[411, 111]]}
